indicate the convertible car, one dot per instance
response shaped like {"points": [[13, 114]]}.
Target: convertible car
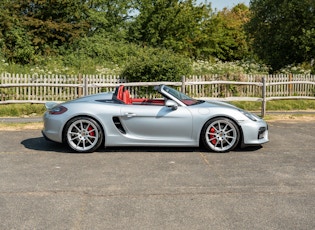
{"points": [[170, 119]]}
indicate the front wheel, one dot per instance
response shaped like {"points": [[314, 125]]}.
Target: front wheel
{"points": [[220, 135], [83, 134]]}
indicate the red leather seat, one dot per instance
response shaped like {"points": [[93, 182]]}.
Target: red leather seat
{"points": [[126, 97], [120, 93]]}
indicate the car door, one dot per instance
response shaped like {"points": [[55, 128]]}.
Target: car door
{"points": [[157, 123]]}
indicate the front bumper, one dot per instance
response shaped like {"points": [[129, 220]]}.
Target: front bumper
{"points": [[255, 133]]}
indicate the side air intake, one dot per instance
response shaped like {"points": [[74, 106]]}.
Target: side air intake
{"points": [[119, 125]]}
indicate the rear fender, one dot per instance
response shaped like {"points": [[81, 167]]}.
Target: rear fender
{"points": [[49, 105]]}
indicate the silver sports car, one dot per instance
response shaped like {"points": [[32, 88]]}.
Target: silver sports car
{"points": [[171, 119]]}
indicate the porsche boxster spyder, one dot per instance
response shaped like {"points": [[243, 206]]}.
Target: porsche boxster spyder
{"points": [[170, 119]]}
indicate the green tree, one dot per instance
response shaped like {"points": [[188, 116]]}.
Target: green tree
{"points": [[283, 31], [108, 17], [15, 43], [170, 24], [44, 25], [51, 23], [228, 33], [52, 27]]}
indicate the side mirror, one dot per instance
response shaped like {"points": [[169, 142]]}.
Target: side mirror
{"points": [[171, 104]]}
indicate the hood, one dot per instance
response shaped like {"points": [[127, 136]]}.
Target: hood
{"points": [[218, 104]]}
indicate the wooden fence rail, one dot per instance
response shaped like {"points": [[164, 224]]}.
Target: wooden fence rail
{"points": [[26, 88]]}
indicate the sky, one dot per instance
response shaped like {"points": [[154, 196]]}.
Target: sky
{"points": [[220, 4]]}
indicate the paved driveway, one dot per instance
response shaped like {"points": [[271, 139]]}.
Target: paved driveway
{"points": [[44, 186]]}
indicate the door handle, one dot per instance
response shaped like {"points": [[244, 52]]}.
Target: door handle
{"points": [[130, 114]]}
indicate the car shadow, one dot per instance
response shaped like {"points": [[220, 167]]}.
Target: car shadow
{"points": [[41, 144], [150, 149]]}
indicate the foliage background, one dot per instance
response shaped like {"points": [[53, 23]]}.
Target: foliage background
{"points": [[148, 40]]}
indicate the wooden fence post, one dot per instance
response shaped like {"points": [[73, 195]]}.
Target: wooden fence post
{"points": [[263, 105], [290, 86], [183, 84], [80, 88], [85, 86]]}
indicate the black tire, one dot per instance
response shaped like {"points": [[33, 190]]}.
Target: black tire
{"points": [[220, 135], [83, 134]]}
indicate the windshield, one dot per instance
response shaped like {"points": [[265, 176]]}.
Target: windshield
{"points": [[181, 96]]}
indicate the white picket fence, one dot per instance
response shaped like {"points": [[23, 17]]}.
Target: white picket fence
{"points": [[26, 88]]}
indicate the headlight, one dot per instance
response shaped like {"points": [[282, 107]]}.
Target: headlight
{"points": [[58, 110], [251, 116]]}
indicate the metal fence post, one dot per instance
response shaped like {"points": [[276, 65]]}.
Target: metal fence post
{"points": [[263, 105]]}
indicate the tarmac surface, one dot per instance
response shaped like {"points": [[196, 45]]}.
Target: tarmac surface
{"points": [[45, 186]]}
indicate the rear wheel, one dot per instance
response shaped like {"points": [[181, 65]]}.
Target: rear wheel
{"points": [[83, 134], [220, 135]]}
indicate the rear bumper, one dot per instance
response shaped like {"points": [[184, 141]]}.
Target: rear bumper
{"points": [[45, 136], [52, 128]]}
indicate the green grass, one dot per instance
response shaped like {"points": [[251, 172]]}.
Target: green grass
{"points": [[280, 105], [20, 110]]}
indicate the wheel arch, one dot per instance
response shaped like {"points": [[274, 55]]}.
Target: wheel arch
{"points": [[226, 117], [83, 115]]}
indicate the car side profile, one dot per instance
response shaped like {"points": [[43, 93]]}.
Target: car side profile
{"points": [[171, 119]]}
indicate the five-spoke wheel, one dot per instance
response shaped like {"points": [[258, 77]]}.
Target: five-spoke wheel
{"points": [[220, 135], [83, 134]]}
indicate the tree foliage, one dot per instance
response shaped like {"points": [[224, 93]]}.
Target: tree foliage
{"points": [[108, 17], [153, 64], [54, 27], [15, 43], [50, 24], [226, 34], [125, 32], [283, 31], [169, 24]]}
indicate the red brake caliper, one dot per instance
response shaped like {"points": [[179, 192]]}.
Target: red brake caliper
{"points": [[212, 131], [91, 133]]}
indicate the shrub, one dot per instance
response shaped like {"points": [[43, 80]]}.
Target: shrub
{"points": [[222, 68], [151, 65]]}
